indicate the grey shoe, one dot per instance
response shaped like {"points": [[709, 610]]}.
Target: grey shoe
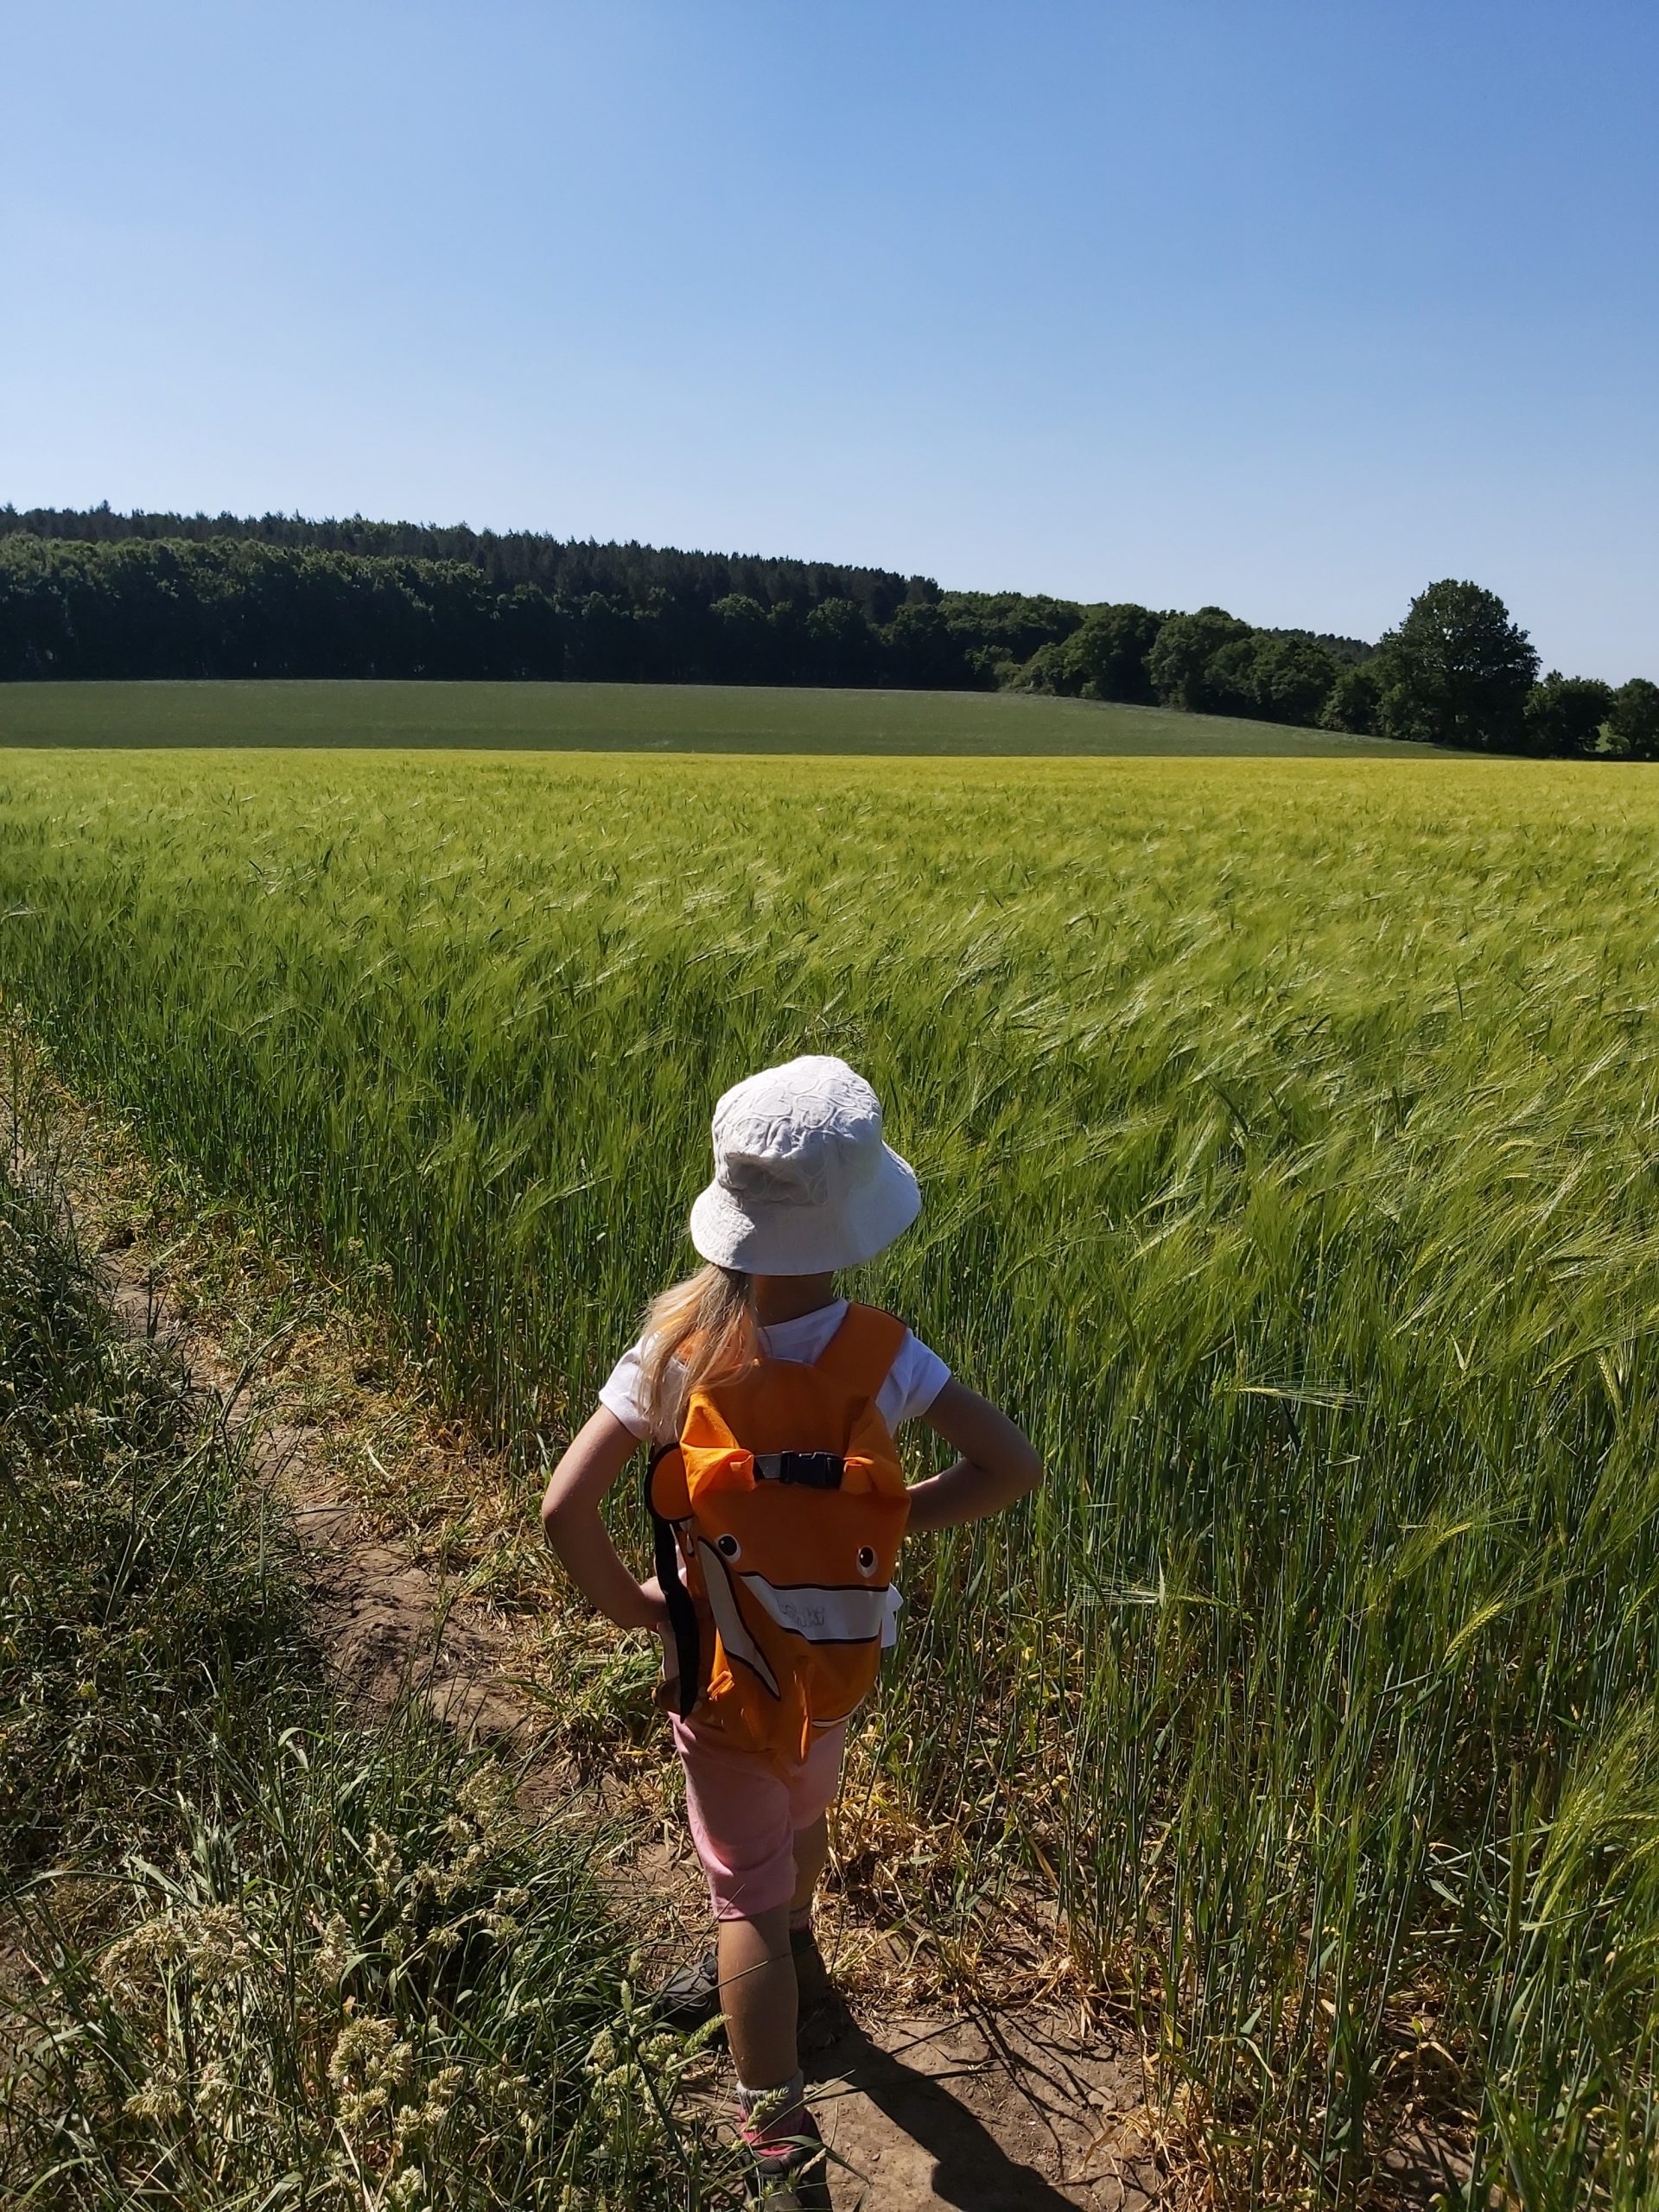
{"points": [[691, 1996]]}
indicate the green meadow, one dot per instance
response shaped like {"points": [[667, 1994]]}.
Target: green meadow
{"points": [[632, 718], [1290, 1136]]}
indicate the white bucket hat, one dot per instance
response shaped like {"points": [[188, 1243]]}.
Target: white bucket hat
{"points": [[803, 1181]]}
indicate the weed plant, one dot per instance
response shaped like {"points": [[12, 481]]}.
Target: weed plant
{"points": [[255, 1953], [1289, 1144]]}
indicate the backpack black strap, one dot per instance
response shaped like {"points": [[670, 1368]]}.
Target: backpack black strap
{"points": [[681, 1614]]}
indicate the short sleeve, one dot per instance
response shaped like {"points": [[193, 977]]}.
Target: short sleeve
{"points": [[915, 1379], [619, 1394]]}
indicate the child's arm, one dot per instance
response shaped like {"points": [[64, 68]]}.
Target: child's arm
{"points": [[997, 1466], [597, 1456]]}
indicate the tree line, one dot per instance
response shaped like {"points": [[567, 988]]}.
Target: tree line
{"points": [[93, 593], [569, 569]]}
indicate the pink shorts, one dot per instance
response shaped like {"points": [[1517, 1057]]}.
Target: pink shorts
{"points": [[745, 1815]]}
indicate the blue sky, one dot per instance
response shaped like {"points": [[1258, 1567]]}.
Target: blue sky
{"points": [[1289, 307]]}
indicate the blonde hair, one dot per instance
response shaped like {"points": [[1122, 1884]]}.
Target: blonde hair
{"points": [[698, 1331]]}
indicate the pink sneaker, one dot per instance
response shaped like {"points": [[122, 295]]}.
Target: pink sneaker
{"points": [[787, 2173]]}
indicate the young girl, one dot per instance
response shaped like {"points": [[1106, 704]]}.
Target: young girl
{"points": [[804, 1185]]}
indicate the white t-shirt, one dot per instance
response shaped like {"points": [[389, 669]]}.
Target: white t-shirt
{"points": [[914, 1380]]}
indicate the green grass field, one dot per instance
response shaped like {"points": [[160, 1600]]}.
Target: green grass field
{"points": [[1289, 1135], [630, 718]]}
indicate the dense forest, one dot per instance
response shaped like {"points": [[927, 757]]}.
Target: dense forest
{"points": [[90, 592]]}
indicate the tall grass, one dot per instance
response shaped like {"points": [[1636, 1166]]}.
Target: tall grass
{"points": [[1288, 1133], [254, 1952]]}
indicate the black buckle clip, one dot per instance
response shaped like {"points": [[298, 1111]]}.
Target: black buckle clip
{"points": [[810, 1470]]}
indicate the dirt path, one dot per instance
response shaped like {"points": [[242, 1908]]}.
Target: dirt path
{"points": [[1020, 2109], [1010, 2112]]}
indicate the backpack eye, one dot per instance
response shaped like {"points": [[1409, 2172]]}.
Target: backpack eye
{"points": [[727, 1546], [866, 1560]]}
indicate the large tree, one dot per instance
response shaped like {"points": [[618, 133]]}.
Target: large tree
{"points": [[1106, 658], [1352, 703], [1291, 678], [1634, 721], [1456, 672], [1565, 716], [925, 652], [1179, 662], [840, 647], [1210, 663]]}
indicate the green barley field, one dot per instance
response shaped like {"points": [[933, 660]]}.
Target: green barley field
{"points": [[1290, 1133]]}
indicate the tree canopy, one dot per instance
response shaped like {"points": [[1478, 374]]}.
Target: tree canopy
{"points": [[1456, 672], [1634, 720], [1565, 714], [90, 592]]}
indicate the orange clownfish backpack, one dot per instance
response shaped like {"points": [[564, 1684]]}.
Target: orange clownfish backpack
{"points": [[777, 1518]]}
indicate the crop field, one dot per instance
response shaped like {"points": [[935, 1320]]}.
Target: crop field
{"points": [[632, 718], [1290, 1137]]}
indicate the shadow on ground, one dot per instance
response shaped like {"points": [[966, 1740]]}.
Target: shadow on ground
{"points": [[901, 2115]]}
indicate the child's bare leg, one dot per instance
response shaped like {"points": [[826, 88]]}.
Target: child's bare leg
{"points": [[812, 1983], [811, 1849], [757, 1996]]}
